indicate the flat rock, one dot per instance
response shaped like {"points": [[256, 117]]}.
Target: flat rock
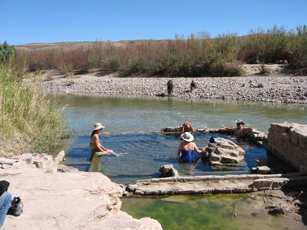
{"points": [[74, 200]]}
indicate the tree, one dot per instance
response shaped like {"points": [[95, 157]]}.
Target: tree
{"points": [[6, 51]]}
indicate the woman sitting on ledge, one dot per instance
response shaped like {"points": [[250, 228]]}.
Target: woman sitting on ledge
{"points": [[186, 148], [96, 147]]}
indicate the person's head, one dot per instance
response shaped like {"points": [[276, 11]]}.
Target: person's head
{"points": [[240, 123], [97, 128], [187, 125], [187, 136]]}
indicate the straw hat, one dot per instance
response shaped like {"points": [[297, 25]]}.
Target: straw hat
{"points": [[187, 137], [98, 126]]}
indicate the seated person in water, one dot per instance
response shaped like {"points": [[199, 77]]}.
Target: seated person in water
{"points": [[186, 127], [96, 147], [186, 148], [239, 132]]}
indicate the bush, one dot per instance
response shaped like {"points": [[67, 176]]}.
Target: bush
{"points": [[93, 61], [113, 63], [6, 51], [29, 122], [194, 56], [67, 69]]}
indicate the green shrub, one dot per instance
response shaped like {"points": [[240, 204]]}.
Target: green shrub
{"points": [[67, 69], [6, 51], [114, 63], [29, 122], [93, 61]]}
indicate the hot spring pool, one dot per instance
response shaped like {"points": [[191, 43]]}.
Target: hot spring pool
{"points": [[146, 153]]}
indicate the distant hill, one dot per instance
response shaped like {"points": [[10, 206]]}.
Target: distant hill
{"points": [[39, 46]]}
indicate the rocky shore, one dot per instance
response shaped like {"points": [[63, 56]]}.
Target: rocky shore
{"points": [[277, 88], [60, 197]]}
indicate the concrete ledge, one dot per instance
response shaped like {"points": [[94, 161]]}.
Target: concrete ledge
{"points": [[214, 184]]}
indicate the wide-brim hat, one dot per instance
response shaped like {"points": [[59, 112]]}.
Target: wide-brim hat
{"points": [[98, 126], [239, 121], [187, 137]]}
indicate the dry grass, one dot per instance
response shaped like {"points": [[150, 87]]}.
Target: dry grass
{"points": [[196, 55]]}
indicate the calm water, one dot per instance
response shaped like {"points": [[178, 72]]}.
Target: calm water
{"points": [[147, 152]]}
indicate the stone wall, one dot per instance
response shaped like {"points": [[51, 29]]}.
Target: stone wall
{"points": [[288, 141]]}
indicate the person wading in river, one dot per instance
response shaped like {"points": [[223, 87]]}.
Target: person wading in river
{"points": [[186, 148]]}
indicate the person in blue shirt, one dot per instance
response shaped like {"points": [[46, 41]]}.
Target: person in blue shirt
{"points": [[186, 148], [5, 200]]}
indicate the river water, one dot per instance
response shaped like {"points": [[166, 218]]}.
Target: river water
{"points": [[130, 125]]}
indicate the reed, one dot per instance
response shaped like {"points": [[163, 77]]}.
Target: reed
{"points": [[28, 121], [195, 55]]}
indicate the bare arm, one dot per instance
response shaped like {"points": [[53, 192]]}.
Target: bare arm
{"points": [[197, 150], [247, 130], [179, 150], [228, 128]]}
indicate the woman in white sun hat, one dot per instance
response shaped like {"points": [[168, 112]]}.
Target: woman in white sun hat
{"points": [[96, 147], [186, 148]]}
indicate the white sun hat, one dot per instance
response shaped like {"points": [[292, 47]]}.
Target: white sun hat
{"points": [[187, 137]]}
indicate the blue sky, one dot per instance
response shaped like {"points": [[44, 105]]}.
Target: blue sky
{"points": [[49, 21]]}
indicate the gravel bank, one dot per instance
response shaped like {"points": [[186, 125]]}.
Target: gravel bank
{"points": [[281, 89]]}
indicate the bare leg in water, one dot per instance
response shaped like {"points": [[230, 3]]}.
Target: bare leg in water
{"points": [[110, 151]]}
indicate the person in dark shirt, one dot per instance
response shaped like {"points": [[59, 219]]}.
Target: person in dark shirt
{"points": [[5, 200], [170, 87], [193, 85]]}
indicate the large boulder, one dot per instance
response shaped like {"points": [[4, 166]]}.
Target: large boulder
{"points": [[222, 150]]}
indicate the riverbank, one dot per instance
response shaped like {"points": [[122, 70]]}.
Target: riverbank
{"points": [[59, 197], [280, 87]]}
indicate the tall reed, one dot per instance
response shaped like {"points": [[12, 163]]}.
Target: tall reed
{"points": [[28, 121], [196, 55]]}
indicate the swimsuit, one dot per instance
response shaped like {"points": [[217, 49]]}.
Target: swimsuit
{"points": [[96, 151], [187, 156]]}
